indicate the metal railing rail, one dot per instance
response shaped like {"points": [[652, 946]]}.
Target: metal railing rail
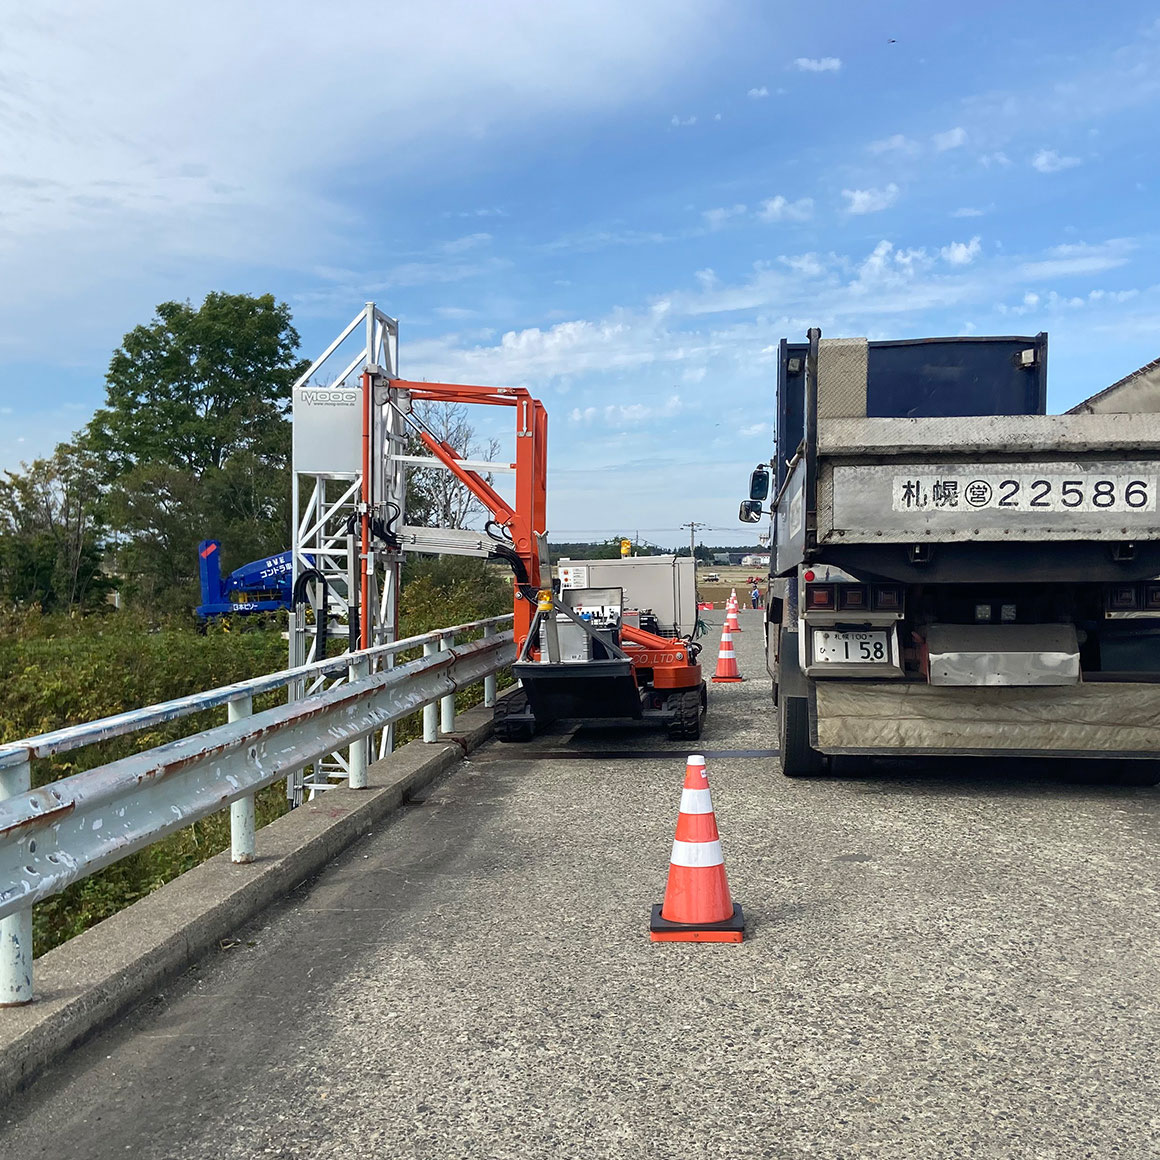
{"points": [[53, 836], [77, 736]]}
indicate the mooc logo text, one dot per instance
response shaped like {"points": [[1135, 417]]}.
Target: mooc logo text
{"points": [[330, 396]]}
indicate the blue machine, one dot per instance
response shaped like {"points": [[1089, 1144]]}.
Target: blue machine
{"points": [[262, 586]]}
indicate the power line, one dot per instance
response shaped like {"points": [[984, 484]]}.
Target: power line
{"points": [[693, 527]]}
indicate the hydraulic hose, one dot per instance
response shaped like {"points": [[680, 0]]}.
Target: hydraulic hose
{"points": [[299, 597]]}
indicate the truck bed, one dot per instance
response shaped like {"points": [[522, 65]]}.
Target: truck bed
{"points": [[1023, 479]]}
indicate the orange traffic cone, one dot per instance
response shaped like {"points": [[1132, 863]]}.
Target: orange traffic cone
{"points": [[727, 669], [697, 905], [731, 621]]}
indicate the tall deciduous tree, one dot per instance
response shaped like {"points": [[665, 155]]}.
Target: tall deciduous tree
{"points": [[197, 386], [195, 439], [50, 536], [435, 498]]}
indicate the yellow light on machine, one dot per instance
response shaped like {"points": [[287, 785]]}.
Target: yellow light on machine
{"points": [[625, 547]]}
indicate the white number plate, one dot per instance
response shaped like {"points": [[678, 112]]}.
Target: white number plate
{"points": [[1017, 491], [855, 648]]}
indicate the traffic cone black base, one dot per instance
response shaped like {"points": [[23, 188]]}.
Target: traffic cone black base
{"points": [[732, 930]]}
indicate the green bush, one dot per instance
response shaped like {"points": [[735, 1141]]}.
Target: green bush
{"points": [[65, 670]]}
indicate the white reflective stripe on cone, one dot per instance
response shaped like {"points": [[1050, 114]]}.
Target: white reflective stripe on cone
{"points": [[696, 801], [697, 853]]}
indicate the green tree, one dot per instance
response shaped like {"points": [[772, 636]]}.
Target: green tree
{"points": [[50, 534], [196, 386], [435, 498], [195, 440]]}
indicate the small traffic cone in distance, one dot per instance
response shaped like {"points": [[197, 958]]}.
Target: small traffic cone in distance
{"points": [[697, 905], [731, 621], [727, 669]]}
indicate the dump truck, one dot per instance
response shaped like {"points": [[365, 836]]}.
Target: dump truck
{"points": [[955, 571]]}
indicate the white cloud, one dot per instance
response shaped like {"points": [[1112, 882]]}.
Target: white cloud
{"points": [[998, 160], [962, 253], [756, 94], [628, 414], [808, 264], [633, 413], [716, 218], [1078, 258], [898, 143], [780, 209], [468, 242], [817, 64], [682, 121], [224, 174], [1049, 161], [968, 211], [755, 429], [859, 201], [951, 139]]}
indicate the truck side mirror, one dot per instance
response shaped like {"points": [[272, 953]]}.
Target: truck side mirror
{"points": [[750, 512], [759, 484]]}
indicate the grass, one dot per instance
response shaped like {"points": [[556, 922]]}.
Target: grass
{"points": [[60, 671]]}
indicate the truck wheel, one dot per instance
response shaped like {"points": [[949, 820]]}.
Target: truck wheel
{"points": [[798, 757], [510, 720]]}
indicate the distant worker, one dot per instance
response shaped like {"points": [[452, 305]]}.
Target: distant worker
{"points": [[755, 596]]}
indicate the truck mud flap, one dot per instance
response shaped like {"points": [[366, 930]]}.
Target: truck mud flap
{"points": [[595, 689]]}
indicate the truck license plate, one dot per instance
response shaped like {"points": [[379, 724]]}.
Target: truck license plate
{"points": [[855, 648], [1024, 491]]}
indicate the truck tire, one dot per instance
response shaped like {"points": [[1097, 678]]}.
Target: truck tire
{"points": [[510, 721], [798, 757]]}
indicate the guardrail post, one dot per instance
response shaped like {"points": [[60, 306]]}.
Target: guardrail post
{"points": [[357, 777], [489, 681], [243, 817], [16, 929], [447, 704], [431, 711]]}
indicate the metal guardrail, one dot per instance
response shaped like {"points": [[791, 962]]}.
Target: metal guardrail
{"points": [[53, 836]]}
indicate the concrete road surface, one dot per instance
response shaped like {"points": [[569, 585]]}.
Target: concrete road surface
{"points": [[940, 963]]}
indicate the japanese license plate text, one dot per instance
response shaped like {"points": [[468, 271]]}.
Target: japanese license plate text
{"points": [[1024, 492], [856, 648]]}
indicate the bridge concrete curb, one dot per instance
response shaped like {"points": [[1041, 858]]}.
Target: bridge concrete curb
{"points": [[95, 978]]}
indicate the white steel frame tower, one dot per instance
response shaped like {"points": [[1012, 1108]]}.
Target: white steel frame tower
{"points": [[346, 475]]}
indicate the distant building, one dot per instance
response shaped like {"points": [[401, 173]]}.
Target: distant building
{"points": [[755, 561], [722, 558]]}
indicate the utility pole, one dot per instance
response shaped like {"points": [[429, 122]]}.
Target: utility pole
{"points": [[693, 527]]}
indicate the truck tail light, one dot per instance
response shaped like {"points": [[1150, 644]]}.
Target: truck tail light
{"points": [[820, 596], [854, 596], [1123, 597], [888, 597]]}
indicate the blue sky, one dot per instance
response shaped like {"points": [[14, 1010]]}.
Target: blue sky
{"points": [[621, 206]]}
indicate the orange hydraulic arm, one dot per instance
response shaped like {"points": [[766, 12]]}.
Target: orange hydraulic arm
{"points": [[525, 521]]}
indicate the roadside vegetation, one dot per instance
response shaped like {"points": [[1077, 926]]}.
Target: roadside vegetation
{"points": [[98, 561]]}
